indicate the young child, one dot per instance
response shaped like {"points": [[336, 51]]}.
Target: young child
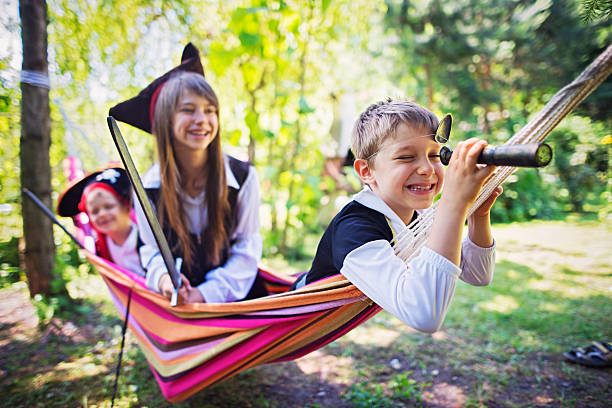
{"points": [[105, 196], [207, 202], [398, 160]]}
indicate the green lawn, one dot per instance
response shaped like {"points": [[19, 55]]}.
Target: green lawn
{"points": [[500, 345]]}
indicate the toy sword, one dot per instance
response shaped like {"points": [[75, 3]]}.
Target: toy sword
{"points": [[162, 243]]}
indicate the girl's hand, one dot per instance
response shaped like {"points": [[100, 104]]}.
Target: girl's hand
{"points": [[165, 285], [186, 294], [189, 294]]}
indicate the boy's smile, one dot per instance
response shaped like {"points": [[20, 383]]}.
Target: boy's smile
{"points": [[406, 172]]}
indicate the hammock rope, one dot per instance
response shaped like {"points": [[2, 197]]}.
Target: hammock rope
{"points": [[193, 346], [408, 242]]}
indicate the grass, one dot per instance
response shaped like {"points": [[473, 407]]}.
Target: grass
{"points": [[500, 346]]}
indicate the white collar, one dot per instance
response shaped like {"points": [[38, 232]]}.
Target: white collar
{"points": [[369, 199], [130, 241], [229, 174], [152, 178]]}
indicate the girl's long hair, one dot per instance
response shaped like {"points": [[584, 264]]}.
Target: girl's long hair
{"points": [[214, 237]]}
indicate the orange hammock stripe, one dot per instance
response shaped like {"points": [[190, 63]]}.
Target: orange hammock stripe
{"points": [[192, 346]]}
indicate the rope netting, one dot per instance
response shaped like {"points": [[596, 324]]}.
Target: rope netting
{"points": [[408, 242]]}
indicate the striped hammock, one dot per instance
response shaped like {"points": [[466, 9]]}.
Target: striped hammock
{"points": [[193, 346]]}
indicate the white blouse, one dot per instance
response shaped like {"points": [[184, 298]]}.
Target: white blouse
{"points": [[126, 255], [233, 280]]}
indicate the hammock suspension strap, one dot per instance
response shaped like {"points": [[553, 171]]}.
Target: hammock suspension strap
{"points": [[409, 241]]}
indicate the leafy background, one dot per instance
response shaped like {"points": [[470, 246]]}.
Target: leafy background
{"points": [[280, 68]]}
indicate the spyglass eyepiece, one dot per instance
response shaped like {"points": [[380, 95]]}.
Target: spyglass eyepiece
{"points": [[519, 155]]}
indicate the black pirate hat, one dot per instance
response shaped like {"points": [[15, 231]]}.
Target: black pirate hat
{"points": [[138, 111], [115, 177]]}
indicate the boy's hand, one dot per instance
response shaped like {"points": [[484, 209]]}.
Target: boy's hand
{"points": [[485, 207], [464, 177], [463, 180]]}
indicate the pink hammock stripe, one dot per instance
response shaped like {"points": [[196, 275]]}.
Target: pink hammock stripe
{"points": [[163, 355], [200, 374], [192, 347]]}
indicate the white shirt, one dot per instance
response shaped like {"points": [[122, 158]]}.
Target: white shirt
{"points": [[419, 292], [233, 280], [126, 255]]}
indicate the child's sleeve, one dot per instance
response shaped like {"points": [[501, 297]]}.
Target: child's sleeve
{"points": [[417, 293], [477, 263]]}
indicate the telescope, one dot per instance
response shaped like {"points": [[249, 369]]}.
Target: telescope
{"points": [[519, 155]]}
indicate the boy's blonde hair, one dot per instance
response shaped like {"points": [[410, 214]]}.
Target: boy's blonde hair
{"points": [[380, 121]]}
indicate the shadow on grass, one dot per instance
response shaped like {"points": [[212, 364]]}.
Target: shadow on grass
{"points": [[454, 368], [60, 363], [275, 385], [500, 347], [569, 271], [73, 362], [528, 310]]}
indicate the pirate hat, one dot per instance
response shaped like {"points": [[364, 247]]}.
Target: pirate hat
{"points": [[115, 177], [138, 111]]}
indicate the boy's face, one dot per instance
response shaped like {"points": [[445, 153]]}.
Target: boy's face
{"points": [[406, 172], [107, 214]]}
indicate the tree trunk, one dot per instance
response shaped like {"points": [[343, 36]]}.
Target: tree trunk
{"points": [[34, 149]]}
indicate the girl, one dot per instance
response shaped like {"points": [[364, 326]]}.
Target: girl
{"points": [[105, 197], [207, 203]]}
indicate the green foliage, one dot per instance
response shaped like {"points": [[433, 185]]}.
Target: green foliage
{"points": [[496, 63], [406, 388], [401, 387], [527, 197], [10, 272], [596, 9], [69, 266], [9, 148], [368, 394], [581, 160], [49, 306]]}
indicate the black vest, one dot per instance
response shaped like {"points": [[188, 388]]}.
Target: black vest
{"points": [[200, 265]]}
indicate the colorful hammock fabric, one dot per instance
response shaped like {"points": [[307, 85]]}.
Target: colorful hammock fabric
{"points": [[193, 346], [190, 347]]}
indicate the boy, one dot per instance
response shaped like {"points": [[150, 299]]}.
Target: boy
{"points": [[398, 160], [105, 196]]}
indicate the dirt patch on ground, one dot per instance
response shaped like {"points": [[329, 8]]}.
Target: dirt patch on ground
{"points": [[382, 363], [324, 377]]}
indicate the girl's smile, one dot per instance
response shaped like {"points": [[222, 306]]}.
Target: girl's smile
{"points": [[196, 123]]}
